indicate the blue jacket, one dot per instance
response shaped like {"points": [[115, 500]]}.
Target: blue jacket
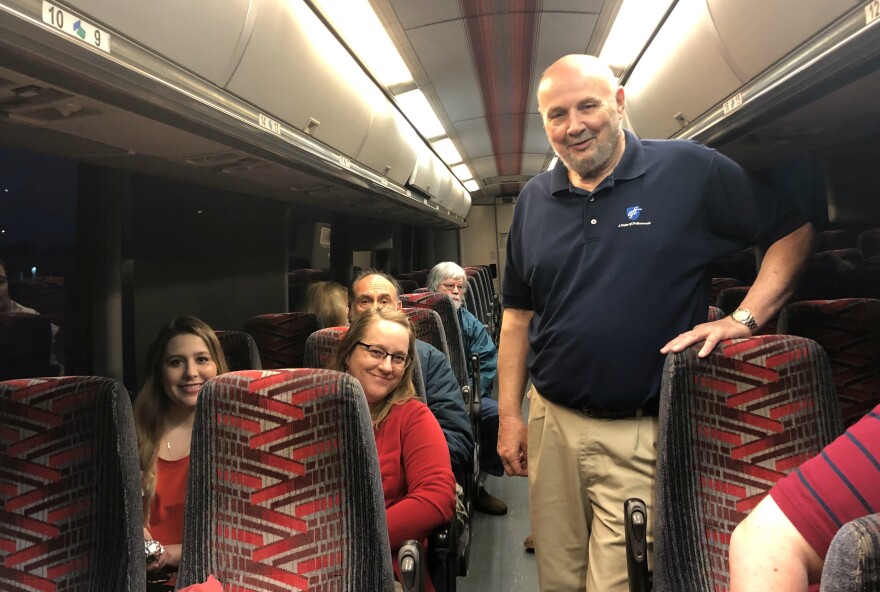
{"points": [[446, 403]]}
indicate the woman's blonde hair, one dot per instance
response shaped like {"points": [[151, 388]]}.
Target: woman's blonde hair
{"points": [[405, 390], [329, 301], [152, 403]]}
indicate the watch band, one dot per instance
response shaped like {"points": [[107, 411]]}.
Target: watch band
{"points": [[744, 317]]}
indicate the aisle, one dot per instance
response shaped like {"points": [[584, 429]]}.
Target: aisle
{"points": [[498, 561]]}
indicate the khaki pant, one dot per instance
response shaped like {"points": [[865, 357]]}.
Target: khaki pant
{"points": [[580, 472]]}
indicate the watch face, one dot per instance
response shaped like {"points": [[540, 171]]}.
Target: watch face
{"points": [[741, 315]]}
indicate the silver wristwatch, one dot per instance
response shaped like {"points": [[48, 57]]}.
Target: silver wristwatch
{"points": [[744, 317]]}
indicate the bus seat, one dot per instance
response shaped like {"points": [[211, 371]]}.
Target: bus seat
{"points": [[281, 337], [730, 426], [25, 346], [852, 563], [868, 242], [716, 284], [715, 314], [849, 331], [407, 286], [71, 491], [828, 240], [284, 487], [240, 350]]}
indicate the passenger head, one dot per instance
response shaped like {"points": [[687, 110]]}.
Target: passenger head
{"points": [[5, 302], [329, 300], [373, 289], [185, 354], [448, 278], [378, 350], [182, 357], [582, 107]]}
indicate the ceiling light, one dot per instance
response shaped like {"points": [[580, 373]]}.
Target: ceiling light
{"points": [[635, 22], [462, 172], [471, 186], [358, 25], [553, 162], [447, 151], [415, 106]]}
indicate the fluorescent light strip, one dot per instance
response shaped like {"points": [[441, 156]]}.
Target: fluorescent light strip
{"points": [[357, 23], [447, 151], [634, 23], [462, 172], [416, 107], [471, 186]]}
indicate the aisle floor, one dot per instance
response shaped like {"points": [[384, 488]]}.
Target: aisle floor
{"points": [[498, 561]]}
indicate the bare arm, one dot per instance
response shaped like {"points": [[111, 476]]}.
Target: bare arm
{"points": [[773, 287], [512, 378], [768, 553]]}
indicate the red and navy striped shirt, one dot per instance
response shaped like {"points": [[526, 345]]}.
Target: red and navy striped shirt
{"points": [[839, 484]]}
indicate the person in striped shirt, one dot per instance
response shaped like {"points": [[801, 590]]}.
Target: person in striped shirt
{"points": [[781, 545]]}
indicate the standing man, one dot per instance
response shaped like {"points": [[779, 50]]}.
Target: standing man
{"points": [[605, 274]]}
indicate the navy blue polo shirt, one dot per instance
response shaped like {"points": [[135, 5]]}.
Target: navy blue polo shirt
{"points": [[614, 274]]}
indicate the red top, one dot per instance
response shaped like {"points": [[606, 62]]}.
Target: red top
{"points": [[416, 475], [166, 511]]}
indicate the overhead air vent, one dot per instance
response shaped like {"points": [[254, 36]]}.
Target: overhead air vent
{"points": [[39, 105]]}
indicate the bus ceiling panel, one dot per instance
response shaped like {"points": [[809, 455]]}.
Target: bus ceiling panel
{"points": [[682, 74], [756, 33], [390, 145], [297, 71], [204, 36]]}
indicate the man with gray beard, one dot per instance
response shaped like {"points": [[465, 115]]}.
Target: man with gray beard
{"points": [[605, 274]]}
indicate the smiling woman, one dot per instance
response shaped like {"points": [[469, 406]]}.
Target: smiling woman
{"points": [[417, 478], [184, 355]]}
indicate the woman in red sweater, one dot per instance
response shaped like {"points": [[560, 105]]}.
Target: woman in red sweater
{"points": [[414, 461], [184, 355]]}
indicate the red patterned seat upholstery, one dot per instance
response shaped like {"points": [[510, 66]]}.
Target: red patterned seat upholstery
{"points": [[730, 426], [715, 314], [428, 327], [849, 331], [284, 488], [240, 350], [442, 305], [70, 494], [281, 337], [321, 347]]}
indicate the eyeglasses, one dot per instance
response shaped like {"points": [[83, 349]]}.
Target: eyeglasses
{"points": [[451, 287], [379, 354]]}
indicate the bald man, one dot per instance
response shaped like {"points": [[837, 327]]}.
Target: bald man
{"points": [[605, 274]]}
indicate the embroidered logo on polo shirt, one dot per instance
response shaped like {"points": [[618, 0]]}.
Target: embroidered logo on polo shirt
{"points": [[633, 213]]}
